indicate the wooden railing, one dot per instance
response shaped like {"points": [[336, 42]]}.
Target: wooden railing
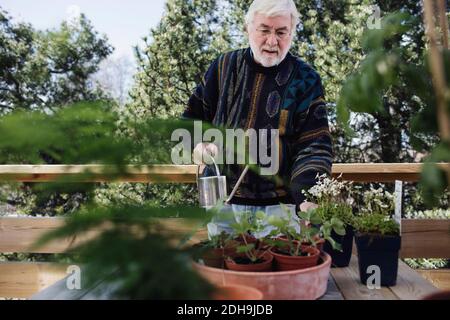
{"points": [[362, 172], [420, 238]]}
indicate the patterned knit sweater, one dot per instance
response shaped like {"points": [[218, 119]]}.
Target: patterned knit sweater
{"points": [[236, 92]]}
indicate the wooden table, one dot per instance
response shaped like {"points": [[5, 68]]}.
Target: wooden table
{"points": [[343, 284]]}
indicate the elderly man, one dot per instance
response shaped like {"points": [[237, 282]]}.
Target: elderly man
{"points": [[266, 87]]}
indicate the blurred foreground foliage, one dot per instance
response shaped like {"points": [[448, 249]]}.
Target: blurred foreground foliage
{"points": [[386, 66], [135, 255]]}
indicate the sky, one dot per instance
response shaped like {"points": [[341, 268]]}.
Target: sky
{"points": [[125, 22]]}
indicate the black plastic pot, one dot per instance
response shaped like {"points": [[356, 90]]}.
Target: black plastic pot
{"points": [[381, 251], [341, 258]]}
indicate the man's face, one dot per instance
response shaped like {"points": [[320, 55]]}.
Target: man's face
{"points": [[270, 38]]}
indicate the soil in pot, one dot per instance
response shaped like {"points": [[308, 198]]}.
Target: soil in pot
{"points": [[341, 258], [284, 261], [380, 251], [242, 263]]}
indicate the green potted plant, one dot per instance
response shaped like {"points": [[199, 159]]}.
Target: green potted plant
{"points": [[213, 251], [250, 255], [377, 237], [334, 200], [296, 248]]}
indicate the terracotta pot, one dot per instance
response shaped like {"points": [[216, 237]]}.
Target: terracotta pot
{"points": [[284, 262], [319, 243], [266, 265], [237, 292], [305, 284], [439, 295], [215, 257]]}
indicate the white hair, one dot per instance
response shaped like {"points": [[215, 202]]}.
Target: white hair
{"points": [[273, 8]]}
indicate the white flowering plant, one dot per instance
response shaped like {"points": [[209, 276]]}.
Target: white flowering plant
{"points": [[334, 199], [376, 214], [378, 201]]}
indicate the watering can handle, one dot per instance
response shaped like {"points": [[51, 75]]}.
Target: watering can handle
{"points": [[215, 165], [197, 175]]}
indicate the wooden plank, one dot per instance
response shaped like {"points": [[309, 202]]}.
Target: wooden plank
{"points": [[380, 172], [420, 238], [99, 173], [333, 292], [411, 285], [18, 234], [59, 291], [425, 238], [439, 278], [363, 172], [348, 282], [103, 292], [23, 279]]}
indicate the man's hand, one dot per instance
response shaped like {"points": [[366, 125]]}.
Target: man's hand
{"points": [[305, 206], [203, 152]]}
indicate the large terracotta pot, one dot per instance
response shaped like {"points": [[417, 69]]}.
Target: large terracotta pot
{"points": [[304, 284], [237, 292]]}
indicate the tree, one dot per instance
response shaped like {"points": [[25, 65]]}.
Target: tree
{"points": [[176, 55], [19, 62], [388, 66], [44, 71], [47, 69]]}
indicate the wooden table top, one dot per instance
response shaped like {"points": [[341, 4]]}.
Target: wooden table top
{"points": [[343, 284]]}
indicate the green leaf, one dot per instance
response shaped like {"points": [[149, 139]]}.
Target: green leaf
{"points": [[245, 248]]}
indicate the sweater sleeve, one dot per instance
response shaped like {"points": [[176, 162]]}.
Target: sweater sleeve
{"points": [[311, 146], [202, 104]]}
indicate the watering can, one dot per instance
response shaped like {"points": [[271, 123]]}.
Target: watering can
{"points": [[213, 189]]}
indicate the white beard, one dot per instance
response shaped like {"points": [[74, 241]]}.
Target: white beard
{"points": [[264, 60]]}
